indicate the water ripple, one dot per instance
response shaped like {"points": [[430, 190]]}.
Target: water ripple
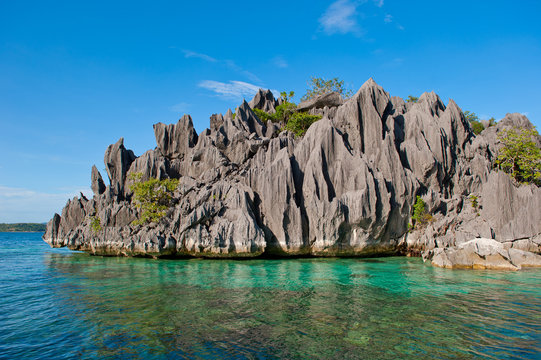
{"points": [[56, 304]]}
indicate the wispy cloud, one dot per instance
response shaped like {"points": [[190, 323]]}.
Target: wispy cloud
{"points": [[233, 66], [233, 90], [340, 18], [388, 19], [379, 3], [180, 107], [26, 205], [192, 54], [280, 62], [230, 64]]}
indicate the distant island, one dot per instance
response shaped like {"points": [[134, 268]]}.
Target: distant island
{"points": [[22, 227]]}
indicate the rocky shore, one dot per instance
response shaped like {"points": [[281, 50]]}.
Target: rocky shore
{"points": [[346, 188]]}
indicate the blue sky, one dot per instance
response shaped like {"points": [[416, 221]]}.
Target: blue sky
{"points": [[76, 76]]}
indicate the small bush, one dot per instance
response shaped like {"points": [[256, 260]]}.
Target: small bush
{"points": [[95, 223], [471, 116], [420, 215], [477, 127], [300, 122], [412, 99], [153, 197], [263, 116], [473, 119], [520, 156], [474, 201], [286, 113]]}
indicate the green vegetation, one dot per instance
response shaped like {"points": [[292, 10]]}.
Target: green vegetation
{"points": [[320, 86], [153, 197], [471, 116], [474, 201], [22, 227], [420, 215], [476, 125], [286, 113], [287, 97], [95, 224], [263, 116], [412, 99], [473, 119], [300, 122], [520, 156]]}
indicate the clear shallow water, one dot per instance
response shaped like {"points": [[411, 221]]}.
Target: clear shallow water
{"points": [[56, 304]]}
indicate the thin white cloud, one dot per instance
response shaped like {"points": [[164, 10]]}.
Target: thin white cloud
{"points": [[379, 3], [192, 54], [399, 27], [232, 90], [388, 19], [25, 205], [180, 107], [340, 18], [233, 66], [230, 64], [280, 62]]}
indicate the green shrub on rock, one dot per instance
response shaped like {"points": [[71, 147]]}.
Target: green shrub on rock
{"points": [[153, 197], [95, 224], [300, 122], [520, 156], [420, 214], [264, 116], [286, 113], [412, 99]]}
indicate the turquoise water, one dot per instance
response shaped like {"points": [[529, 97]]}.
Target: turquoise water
{"points": [[56, 304]]}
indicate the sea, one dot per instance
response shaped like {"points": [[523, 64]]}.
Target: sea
{"points": [[60, 304]]}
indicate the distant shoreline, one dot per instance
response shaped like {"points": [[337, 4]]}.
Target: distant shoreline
{"points": [[23, 227]]}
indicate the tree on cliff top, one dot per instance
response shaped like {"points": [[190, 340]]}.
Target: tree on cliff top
{"points": [[320, 86], [520, 156]]}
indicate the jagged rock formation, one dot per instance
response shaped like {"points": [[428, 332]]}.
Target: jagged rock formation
{"points": [[346, 188]]}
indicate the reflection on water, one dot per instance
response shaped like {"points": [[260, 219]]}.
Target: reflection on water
{"points": [[61, 304]]}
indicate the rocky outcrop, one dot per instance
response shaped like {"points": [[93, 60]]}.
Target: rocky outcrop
{"points": [[97, 184], [344, 189], [174, 141], [264, 100], [331, 99], [117, 161], [483, 253]]}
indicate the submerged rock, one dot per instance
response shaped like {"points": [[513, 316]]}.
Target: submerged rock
{"points": [[344, 189]]}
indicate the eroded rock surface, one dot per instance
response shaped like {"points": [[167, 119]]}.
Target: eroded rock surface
{"points": [[483, 253], [346, 188]]}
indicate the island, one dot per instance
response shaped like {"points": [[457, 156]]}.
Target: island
{"points": [[371, 175], [23, 227]]}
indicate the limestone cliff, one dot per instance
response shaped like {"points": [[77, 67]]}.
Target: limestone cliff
{"points": [[346, 188]]}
